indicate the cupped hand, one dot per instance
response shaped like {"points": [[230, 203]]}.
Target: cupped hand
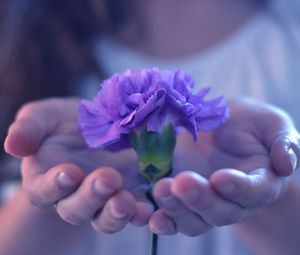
{"points": [[58, 169], [240, 167]]}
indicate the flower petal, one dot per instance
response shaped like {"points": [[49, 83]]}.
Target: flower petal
{"points": [[148, 98], [156, 121]]}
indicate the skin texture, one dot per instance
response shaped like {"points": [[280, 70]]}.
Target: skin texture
{"points": [[216, 181]]}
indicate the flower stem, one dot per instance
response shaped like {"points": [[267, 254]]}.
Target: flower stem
{"points": [[153, 244], [154, 237]]}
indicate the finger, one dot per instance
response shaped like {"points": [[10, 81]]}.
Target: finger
{"points": [[116, 213], [256, 189], [161, 224], [44, 190], [143, 212], [34, 122], [82, 205], [187, 222], [285, 153], [22, 138], [144, 208], [195, 193], [278, 133]]}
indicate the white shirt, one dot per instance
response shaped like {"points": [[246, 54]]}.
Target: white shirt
{"points": [[260, 60]]}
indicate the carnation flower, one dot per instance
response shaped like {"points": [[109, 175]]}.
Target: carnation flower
{"points": [[142, 109], [147, 99]]}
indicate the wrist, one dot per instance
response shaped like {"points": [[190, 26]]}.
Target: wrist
{"points": [[267, 229]]}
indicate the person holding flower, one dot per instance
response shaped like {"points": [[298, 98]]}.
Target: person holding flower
{"points": [[232, 174]]}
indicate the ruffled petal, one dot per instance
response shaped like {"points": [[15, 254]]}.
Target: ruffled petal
{"points": [[154, 103], [148, 98], [156, 121]]}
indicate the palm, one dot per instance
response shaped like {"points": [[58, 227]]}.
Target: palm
{"points": [[252, 138], [235, 145], [65, 145]]}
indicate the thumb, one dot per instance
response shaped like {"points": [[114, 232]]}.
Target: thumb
{"points": [[35, 122]]}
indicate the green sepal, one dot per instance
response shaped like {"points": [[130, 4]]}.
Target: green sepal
{"points": [[155, 152]]}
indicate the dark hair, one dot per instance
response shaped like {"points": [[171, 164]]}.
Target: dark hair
{"points": [[46, 45]]}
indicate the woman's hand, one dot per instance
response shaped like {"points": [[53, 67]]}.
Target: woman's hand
{"points": [[58, 169], [236, 169]]}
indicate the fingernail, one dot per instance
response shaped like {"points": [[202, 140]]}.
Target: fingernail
{"points": [[65, 181], [227, 189], [102, 189], [168, 201], [161, 227], [148, 208], [119, 214], [293, 158]]}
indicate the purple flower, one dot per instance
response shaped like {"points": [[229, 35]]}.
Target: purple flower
{"points": [[148, 99]]}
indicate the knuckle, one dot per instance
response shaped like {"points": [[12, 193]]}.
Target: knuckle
{"points": [[36, 199]]}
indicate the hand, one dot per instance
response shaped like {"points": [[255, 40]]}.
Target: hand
{"points": [[236, 169], [58, 169], [48, 128]]}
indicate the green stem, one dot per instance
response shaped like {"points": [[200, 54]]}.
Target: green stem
{"points": [[154, 237]]}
